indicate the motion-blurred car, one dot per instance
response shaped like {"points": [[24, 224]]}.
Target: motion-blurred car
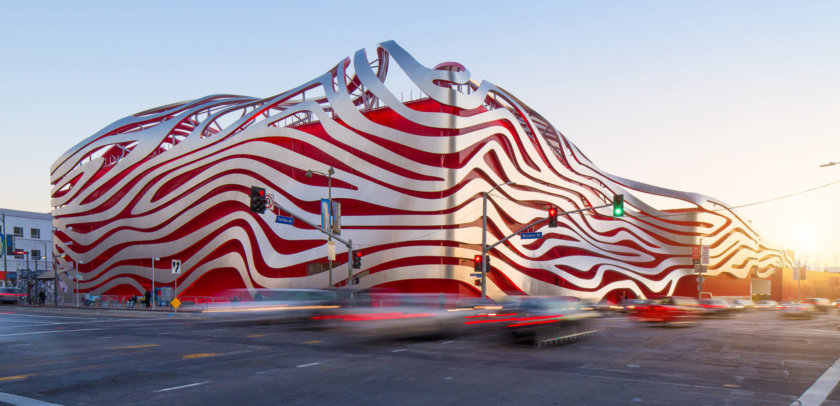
{"points": [[743, 304], [9, 295], [792, 310], [278, 305], [400, 316], [837, 304], [766, 305], [673, 310], [717, 308], [820, 303], [550, 319], [631, 306]]}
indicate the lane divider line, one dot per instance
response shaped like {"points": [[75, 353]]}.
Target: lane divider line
{"points": [[15, 377], [308, 365], [182, 386]]}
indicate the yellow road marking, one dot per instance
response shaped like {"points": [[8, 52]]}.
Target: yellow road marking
{"points": [[312, 342], [256, 335], [729, 385], [201, 355], [135, 346], [15, 377]]}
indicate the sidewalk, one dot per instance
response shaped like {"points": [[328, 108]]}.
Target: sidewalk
{"points": [[139, 312]]}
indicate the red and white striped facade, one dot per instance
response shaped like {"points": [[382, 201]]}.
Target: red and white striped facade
{"points": [[173, 182]]}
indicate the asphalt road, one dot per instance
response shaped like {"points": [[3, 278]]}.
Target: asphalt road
{"points": [[82, 357]]}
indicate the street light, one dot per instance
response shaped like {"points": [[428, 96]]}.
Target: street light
{"points": [[484, 239], [153, 281], [329, 175]]}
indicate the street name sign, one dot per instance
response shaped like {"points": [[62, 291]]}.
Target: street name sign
{"points": [[475, 275], [531, 236], [285, 220]]}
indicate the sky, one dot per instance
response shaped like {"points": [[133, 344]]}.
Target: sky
{"points": [[738, 100]]}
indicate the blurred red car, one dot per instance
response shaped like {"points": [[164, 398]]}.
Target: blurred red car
{"points": [[671, 310]]}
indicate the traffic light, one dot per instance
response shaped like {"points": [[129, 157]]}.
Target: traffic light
{"points": [[357, 260], [618, 205], [552, 217], [258, 199], [477, 261]]}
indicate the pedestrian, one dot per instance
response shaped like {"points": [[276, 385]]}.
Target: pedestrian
{"points": [[148, 298], [42, 297]]}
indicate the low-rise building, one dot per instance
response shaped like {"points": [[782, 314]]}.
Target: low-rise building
{"points": [[28, 232]]}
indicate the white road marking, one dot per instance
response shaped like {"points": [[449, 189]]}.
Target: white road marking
{"points": [[401, 349], [50, 332], [308, 365], [183, 386], [22, 401], [19, 345], [447, 342], [269, 371], [52, 317], [819, 391], [56, 323]]}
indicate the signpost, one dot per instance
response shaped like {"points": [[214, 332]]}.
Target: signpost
{"points": [[704, 255], [176, 270], [331, 250]]}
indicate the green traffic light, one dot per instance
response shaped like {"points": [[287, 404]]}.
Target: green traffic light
{"points": [[618, 205]]}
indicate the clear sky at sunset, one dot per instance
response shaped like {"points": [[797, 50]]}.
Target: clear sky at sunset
{"points": [[738, 100]]}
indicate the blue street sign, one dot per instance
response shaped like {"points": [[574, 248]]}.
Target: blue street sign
{"points": [[475, 275], [284, 220], [531, 236]]}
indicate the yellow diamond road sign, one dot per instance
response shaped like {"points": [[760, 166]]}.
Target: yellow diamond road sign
{"points": [[175, 303]]}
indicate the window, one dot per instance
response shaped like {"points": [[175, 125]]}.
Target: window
{"points": [[36, 233], [19, 232], [35, 254]]}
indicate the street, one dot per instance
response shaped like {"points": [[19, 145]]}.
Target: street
{"points": [[83, 357]]}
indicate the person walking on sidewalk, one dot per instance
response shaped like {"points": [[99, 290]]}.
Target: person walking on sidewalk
{"points": [[148, 298], [42, 297]]}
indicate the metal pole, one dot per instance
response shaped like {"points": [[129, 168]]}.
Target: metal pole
{"points": [[799, 283], [28, 279], [5, 250], [329, 198], [77, 283], [349, 263], [484, 247], [153, 284]]}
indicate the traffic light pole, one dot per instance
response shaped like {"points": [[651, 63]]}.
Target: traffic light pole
{"points": [[487, 248], [348, 243]]}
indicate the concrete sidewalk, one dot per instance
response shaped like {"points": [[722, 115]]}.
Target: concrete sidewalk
{"points": [[141, 312]]}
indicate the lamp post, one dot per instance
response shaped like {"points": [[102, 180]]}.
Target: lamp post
{"points": [[329, 175], [153, 281], [484, 239]]}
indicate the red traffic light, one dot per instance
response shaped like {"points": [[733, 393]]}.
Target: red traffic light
{"points": [[477, 259], [358, 254], [262, 192], [552, 211]]}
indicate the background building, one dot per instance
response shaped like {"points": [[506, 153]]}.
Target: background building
{"points": [[30, 232]]}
